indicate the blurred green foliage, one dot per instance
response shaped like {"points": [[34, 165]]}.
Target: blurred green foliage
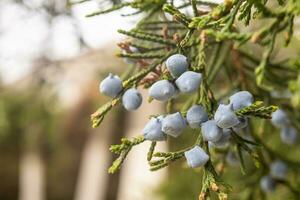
{"points": [[28, 122]]}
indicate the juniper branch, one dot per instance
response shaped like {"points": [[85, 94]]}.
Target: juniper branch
{"points": [[148, 37], [123, 149], [146, 48], [258, 110], [98, 116], [151, 151], [204, 3], [217, 25], [144, 72], [113, 8], [178, 16], [149, 55]]}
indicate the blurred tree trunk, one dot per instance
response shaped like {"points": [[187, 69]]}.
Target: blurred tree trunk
{"points": [[93, 182], [32, 166], [63, 165], [32, 177]]}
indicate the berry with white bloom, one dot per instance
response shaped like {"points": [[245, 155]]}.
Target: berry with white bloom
{"points": [[173, 124], [196, 157], [241, 99], [278, 170], [152, 131], [210, 131], [225, 116], [223, 142], [162, 90], [267, 184], [111, 86], [280, 118], [188, 82], [132, 99], [177, 64], [289, 135], [196, 115]]}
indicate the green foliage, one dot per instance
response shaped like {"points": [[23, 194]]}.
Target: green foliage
{"points": [[217, 44], [258, 110], [17, 119], [123, 149]]}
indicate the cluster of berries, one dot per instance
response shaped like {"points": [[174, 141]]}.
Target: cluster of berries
{"points": [[216, 130], [288, 134], [163, 90], [186, 81], [278, 172], [112, 86]]}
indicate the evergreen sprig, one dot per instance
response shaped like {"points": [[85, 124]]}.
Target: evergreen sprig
{"points": [[150, 55], [257, 109], [208, 38], [122, 150], [166, 159], [178, 16], [148, 37], [98, 116], [113, 8]]}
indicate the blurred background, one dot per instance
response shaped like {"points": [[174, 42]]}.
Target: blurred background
{"points": [[52, 59]]}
